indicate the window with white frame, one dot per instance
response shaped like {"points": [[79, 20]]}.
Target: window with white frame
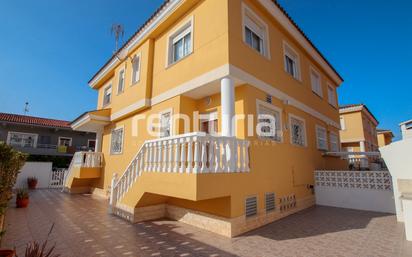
{"points": [[297, 131], [26, 140], [334, 142], [269, 122], [181, 43], [117, 141], [120, 86], [342, 123], [331, 95], [65, 141], [165, 124], [107, 97], [291, 60], [321, 138], [135, 69], [316, 82], [255, 31]]}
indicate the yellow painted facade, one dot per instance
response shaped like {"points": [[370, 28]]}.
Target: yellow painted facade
{"points": [[192, 84], [358, 129], [384, 137]]}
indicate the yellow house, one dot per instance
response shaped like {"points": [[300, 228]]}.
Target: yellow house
{"points": [[214, 113], [358, 129], [384, 137]]}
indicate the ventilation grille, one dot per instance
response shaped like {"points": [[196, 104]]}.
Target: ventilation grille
{"points": [[251, 206], [270, 202], [287, 202], [269, 99]]}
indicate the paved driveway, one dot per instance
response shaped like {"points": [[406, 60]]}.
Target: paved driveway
{"points": [[83, 228]]}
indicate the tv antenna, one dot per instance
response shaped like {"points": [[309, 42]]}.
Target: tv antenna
{"points": [[118, 31], [26, 108]]}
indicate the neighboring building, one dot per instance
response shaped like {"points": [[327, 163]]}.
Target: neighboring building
{"points": [[249, 59], [40, 137], [384, 137], [398, 159], [358, 129], [406, 129]]}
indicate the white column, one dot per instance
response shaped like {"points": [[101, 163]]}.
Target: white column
{"points": [[364, 160], [99, 139], [113, 193], [228, 106]]}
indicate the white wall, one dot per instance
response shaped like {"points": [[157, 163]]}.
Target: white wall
{"points": [[353, 198], [41, 170], [360, 190]]}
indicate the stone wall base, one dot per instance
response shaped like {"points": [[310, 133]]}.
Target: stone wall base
{"points": [[229, 227]]}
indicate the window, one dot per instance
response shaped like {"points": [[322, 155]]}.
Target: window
{"points": [[269, 122], [334, 142], [91, 144], [316, 83], [251, 206], [65, 141], [120, 86], [297, 131], [342, 123], [117, 141], [107, 98], [255, 31], [135, 69], [270, 204], [165, 124], [291, 61], [25, 140], [180, 43], [321, 138], [45, 140], [331, 95]]}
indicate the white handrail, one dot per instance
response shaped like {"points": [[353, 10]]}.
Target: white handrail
{"points": [[83, 160], [187, 153]]}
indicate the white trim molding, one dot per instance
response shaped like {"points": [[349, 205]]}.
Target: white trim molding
{"points": [[241, 76], [135, 80], [297, 35], [186, 27], [273, 91], [259, 104], [121, 127], [70, 140], [292, 54], [251, 20], [305, 135], [151, 25]]}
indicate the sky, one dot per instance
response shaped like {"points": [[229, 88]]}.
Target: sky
{"points": [[50, 50]]}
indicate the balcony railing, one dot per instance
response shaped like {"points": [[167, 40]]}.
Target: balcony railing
{"points": [[188, 153], [361, 160], [87, 160]]}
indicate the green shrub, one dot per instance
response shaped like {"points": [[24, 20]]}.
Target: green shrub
{"points": [[11, 161]]}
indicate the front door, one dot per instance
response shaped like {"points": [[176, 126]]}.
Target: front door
{"points": [[208, 123]]}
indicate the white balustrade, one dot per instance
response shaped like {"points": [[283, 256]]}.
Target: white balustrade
{"points": [[188, 153]]}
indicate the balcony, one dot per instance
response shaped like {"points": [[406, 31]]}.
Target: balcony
{"points": [[86, 165], [49, 149], [193, 161]]}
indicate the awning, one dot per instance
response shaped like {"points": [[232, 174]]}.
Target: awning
{"points": [[92, 121]]}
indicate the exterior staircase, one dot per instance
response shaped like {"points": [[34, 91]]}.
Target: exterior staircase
{"points": [[193, 153]]}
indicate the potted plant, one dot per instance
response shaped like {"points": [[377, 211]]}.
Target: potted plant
{"points": [[22, 198], [7, 253], [32, 182]]}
